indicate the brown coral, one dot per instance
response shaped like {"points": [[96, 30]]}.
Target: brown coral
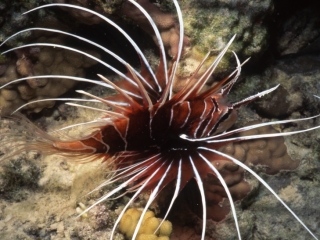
{"points": [[166, 23], [35, 61], [268, 154]]}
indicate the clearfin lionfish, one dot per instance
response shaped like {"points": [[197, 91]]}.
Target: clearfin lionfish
{"points": [[153, 137]]}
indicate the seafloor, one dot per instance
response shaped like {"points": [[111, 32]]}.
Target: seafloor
{"points": [[41, 196]]}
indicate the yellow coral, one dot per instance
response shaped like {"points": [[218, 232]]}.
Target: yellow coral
{"points": [[144, 236], [163, 238], [165, 229], [149, 225]]}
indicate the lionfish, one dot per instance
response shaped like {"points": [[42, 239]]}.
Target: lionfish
{"points": [[153, 137]]}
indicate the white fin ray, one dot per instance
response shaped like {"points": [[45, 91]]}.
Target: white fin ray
{"points": [[192, 77], [79, 79], [215, 63], [264, 183], [135, 46], [251, 98], [91, 124], [180, 45], [54, 99], [159, 39], [117, 176], [143, 91], [218, 175], [121, 60], [250, 137], [77, 51], [127, 171], [203, 198], [110, 113], [250, 127], [175, 195], [152, 196], [204, 78], [166, 91], [224, 87], [101, 100], [120, 91], [227, 87], [117, 189], [134, 197]]}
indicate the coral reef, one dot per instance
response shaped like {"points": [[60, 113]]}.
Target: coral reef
{"points": [[148, 228], [209, 25]]}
